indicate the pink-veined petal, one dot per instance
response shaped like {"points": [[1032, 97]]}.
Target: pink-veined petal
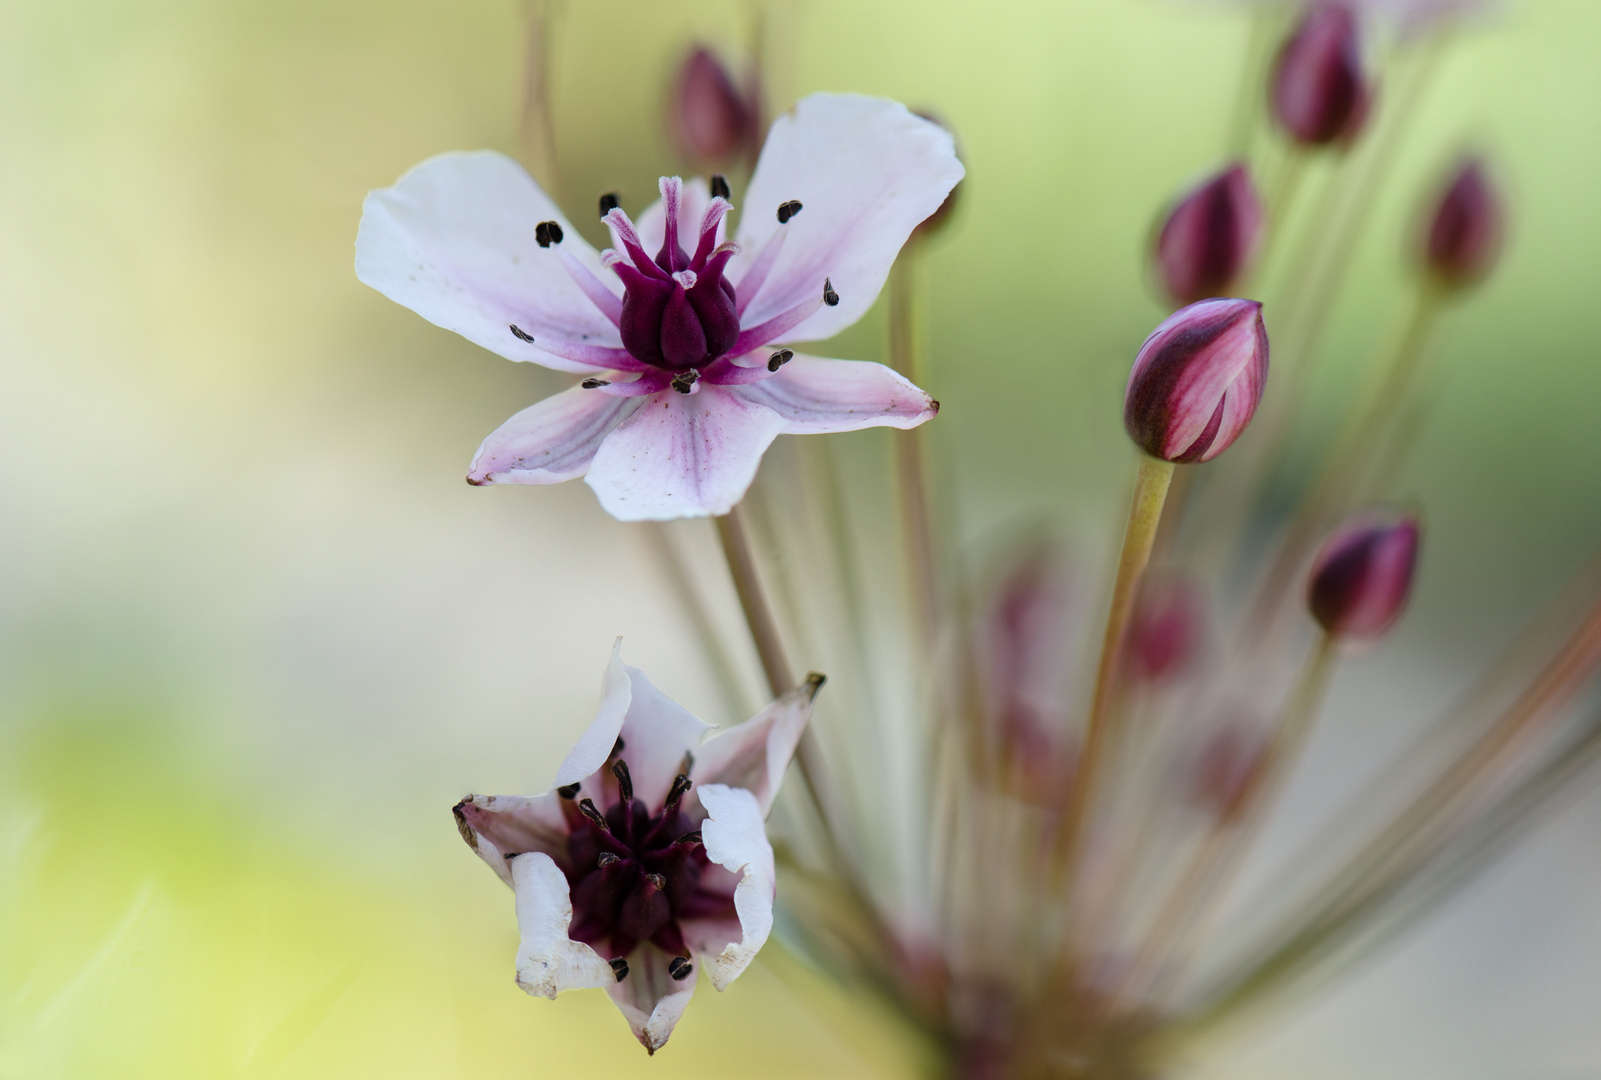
{"points": [[683, 455], [754, 755], [499, 826], [650, 999], [548, 961], [736, 840], [454, 241], [816, 396], [656, 733], [866, 171], [551, 440]]}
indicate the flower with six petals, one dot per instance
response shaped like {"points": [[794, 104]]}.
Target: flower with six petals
{"points": [[680, 334], [648, 860]]}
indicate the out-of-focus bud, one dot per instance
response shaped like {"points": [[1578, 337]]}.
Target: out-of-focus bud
{"points": [[1209, 238], [936, 221], [1197, 380], [1224, 769], [1464, 237], [711, 120], [1165, 632], [1363, 574], [1317, 92]]}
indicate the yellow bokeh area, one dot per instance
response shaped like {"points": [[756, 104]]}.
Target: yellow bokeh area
{"points": [[257, 636]]}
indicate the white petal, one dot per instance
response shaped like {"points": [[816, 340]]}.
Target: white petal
{"points": [[649, 998], [683, 455], [656, 732], [454, 241], [754, 755], [551, 440], [737, 840], [867, 172], [816, 396], [548, 961], [496, 826]]}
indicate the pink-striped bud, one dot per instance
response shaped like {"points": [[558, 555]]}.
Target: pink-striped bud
{"points": [[1197, 380], [711, 120], [1318, 92], [1363, 574], [1464, 237], [1165, 631], [1209, 238]]}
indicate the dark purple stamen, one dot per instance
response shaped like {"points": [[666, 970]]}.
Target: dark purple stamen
{"points": [[587, 808], [619, 968], [679, 968], [779, 359], [681, 786], [719, 186], [685, 381], [609, 202], [547, 233], [606, 859], [787, 210], [568, 791], [594, 384], [830, 297], [520, 334], [625, 781]]}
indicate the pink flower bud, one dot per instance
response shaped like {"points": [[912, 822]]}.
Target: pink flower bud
{"points": [[1208, 240], [1225, 768], [1317, 92], [1464, 237], [1165, 632], [1363, 574], [1197, 380], [711, 120]]}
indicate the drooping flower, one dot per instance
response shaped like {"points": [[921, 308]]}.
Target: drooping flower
{"points": [[1207, 242], [1197, 380], [648, 860], [687, 373], [1363, 574]]}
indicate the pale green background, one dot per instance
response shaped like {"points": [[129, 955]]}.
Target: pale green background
{"points": [[256, 635]]}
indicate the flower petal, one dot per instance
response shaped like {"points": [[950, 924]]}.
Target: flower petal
{"points": [[866, 172], [815, 396], [500, 826], [683, 455], [736, 839], [650, 999], [754, 755], [548, 961], [551, 440], [454, 241], [656, 733]]}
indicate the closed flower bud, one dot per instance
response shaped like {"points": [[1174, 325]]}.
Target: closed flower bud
{"points": [[711, 120], [1209, 238], [1197, 380], [1464, 237], [1165, 632], [1363, 575], [1317, 92]]}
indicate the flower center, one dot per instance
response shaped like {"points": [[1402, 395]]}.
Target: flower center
{"points": [[678, 309], [633, 874]]}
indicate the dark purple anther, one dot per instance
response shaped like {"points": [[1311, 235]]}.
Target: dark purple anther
{"points": [[1207, 242], [1317, 92], [1464, 236], [679, 968], [1197, 380], [1363, 574], [678, 310]]}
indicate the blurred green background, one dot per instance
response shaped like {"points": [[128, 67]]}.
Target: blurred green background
{"points": [[256, 635]]}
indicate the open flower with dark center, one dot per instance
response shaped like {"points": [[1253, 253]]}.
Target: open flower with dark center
{"points": [[649, 859], [680, 334]]}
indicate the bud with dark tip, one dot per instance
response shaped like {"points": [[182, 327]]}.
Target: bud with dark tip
{"points": [[1317, 91], [1363, 574], [711, 120], [1207, 242], [1464, 237], [1197, 380]]}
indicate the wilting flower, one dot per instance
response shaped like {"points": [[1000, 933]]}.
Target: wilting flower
{"points": [[711, 119], [1207, 242], [1317, 91], [687, 373], [1363, 575], [649, 859], [1464, 235], [1197, 380]]}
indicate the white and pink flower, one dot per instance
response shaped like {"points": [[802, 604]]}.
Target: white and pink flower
{"points": [[686, 375], [648, 860]]}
